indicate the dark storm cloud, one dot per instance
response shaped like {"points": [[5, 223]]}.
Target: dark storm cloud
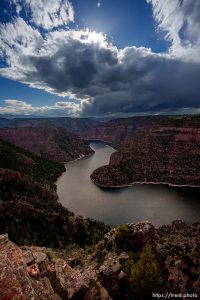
{"points": [[134, 80], [107, 80], [148, 83], [74, 67]]}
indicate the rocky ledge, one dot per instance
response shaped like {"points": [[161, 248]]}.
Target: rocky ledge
{"points": [[27, 273], [130, 262], [160, 155]]}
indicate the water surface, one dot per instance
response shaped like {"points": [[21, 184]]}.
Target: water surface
{"points": [[157, 203]]}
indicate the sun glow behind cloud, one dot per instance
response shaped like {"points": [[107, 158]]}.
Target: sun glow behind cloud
{"points": [[84, 65]]}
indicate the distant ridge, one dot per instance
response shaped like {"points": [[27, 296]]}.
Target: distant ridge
{"points": [[57, 144], [78, 125]]}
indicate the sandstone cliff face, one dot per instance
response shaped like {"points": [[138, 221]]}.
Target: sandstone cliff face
{"points": [[78, 125], [15, 282], [117, 130], [53, 143], [113, 131], [27, 273], [162, 154], [112, 270]]}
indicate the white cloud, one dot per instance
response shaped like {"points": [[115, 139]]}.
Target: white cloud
{"points": [[17, 104], [17, 4], [23, 47], [107, 80], [47, 14], [180, 21], [17, 107], [82, 64], [18, 40], [99, 4]]}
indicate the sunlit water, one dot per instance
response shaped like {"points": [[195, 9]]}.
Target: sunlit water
{"points": [[157, 203]]}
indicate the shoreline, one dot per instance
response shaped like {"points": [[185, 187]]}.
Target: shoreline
{"points": [[100, 141], [144, 183], [64, 195], [76, 159], [72, 161]]}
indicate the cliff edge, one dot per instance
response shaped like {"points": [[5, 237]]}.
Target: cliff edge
{"points": [[132, 261]]}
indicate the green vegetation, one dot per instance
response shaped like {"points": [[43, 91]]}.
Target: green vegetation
{"points": [[100, 258], [35, 167], [123, 237], [145, 275], [29, 210]]}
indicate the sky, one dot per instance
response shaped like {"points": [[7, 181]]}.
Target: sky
{"points": [[99, 58]]}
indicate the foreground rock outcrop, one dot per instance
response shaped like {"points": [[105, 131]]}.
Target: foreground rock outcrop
{"points": [[27, 273], [132, 261], [135, 260]]}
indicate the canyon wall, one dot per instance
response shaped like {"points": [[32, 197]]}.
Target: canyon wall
{"points": [[57, 144], [165, 152]]}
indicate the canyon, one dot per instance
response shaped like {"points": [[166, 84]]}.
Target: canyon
{"points": [[79, 126], [48, 252], [57, 144], [150, 149], [164, 152], [29, 209]]}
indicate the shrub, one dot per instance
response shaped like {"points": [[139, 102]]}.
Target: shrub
{"points": [[146, 275], [123, 237]]}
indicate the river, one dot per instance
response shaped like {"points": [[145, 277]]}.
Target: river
{"points": [[158, 203]]}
